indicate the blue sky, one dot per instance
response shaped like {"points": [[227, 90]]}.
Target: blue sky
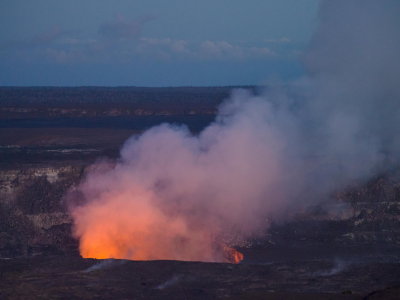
{"points": [[152, 42]]}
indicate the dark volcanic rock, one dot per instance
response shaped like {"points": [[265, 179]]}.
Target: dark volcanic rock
{"points": [[71, 278], [33, 218]]}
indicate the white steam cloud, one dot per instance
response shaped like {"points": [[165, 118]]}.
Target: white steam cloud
{"points": [[172, 195]]}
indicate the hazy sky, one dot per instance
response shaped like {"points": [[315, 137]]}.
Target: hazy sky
{"points": [[152, 42]]}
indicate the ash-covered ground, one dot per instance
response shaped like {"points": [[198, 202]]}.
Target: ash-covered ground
{"points": [[346, 248]]}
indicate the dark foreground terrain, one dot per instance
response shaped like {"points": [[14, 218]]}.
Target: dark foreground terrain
{"points": [[48, 136], [76, 278]]}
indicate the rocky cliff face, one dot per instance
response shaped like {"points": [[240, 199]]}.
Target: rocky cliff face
{"points": [[365, 214], [34, 219], [376, 210]]}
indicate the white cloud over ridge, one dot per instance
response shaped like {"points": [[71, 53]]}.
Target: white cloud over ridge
{"points": [[122, 40], [205, 50]]}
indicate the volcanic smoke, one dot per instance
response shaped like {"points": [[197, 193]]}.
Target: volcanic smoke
{"points": [[175, 195]]}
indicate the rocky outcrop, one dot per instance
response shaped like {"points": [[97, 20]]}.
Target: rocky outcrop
{"points": [[363, 214], [33, 218]]}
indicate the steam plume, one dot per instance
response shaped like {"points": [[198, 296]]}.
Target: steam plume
{"points": [[172, 195]]}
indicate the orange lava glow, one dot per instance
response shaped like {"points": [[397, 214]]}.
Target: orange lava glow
{"points": [[140, 230], [232, 255]]}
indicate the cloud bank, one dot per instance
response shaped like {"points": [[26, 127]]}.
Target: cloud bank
{"points": [[122, 28], [121, 40]]}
